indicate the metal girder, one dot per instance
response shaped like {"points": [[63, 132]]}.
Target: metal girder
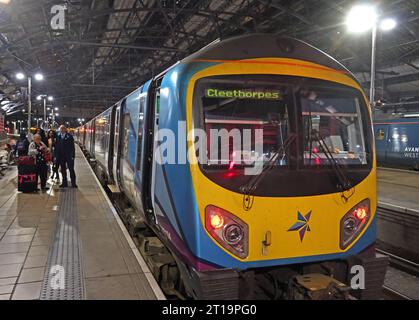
{"points": [[397, 80], [277, 4], [92, 54], [85, 85], [122, 46]]}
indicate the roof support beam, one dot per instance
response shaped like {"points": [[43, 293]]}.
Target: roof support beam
{"points": [[122, 46]]}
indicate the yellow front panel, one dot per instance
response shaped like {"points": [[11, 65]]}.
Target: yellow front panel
{"points": [[277, 214]]}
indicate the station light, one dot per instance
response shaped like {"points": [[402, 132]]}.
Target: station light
{"points": [[50, 98], [39, 76], [39, 98], [361, 18], [388, 24], [56, 108], [20, 76]]}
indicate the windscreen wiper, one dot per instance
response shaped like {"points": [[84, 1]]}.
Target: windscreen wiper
{"points": [[250, 187], [344, 183]]}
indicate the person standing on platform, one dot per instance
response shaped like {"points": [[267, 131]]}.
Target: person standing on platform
{"points": [[65, 154], [44, 138], [51, 146], [38, 150]]}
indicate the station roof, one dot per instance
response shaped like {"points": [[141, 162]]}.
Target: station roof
{"points": [[108, 48]]}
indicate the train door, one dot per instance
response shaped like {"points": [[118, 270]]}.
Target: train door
{"points": [[111, 153], [84, 136], [128, 146], [92, 137], [381, 137], [156, 129], [116, 154], [140, 155], [149, 167]]}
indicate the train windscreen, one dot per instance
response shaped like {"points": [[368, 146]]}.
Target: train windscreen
{"points": [[287, 123], [332, 124], [234, 113]]}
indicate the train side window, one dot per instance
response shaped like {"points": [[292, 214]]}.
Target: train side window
{"points": [[380, 134], [140, 132]]}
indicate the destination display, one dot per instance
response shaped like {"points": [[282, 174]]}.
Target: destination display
{"points": [[243, 94]]}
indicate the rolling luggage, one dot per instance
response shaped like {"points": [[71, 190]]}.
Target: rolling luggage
{"points": [[27, 179]]}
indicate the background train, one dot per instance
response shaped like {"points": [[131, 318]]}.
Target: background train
{"points": [[293, 231], [397, 141]]}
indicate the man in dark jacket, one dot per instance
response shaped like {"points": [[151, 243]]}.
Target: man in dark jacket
{"points": [[22, 145], [65, 155]]}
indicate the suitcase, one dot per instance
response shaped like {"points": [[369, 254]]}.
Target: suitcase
{"points": [[27, 180]]}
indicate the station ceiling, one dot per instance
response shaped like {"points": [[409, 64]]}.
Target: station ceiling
{"points": [[110, 47]]}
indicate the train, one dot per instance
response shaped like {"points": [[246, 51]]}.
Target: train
{"points": [[397, 141], [287, 212]]}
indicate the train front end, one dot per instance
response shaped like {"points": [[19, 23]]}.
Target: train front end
{"points": [[283, 173]]}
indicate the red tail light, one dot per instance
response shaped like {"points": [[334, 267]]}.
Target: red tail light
{"points": [[361, 213], [217, 220], [228, 230], [354, 222]]}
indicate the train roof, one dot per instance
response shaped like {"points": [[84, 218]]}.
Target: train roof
{"points": [[263, 45]]}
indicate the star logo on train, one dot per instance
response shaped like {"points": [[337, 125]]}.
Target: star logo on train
{"points": [[302, 224]]}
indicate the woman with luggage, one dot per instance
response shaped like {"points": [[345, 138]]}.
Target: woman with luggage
{"points": [[39, 151]]}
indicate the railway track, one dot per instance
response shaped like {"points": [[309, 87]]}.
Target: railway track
{"points": [[402, 264], [392, 294], [403, 219]]}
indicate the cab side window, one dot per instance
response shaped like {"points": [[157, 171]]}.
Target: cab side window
{"points": [[379, 135]]}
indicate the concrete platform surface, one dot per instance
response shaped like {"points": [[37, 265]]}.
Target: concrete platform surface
{"points": [[398, 187], [79, 230]]}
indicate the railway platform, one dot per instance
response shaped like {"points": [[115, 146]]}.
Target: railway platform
{"points": [[67, 244], [398, 188]]}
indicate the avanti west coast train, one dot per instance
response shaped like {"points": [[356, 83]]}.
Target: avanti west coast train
{"points": [[397, 140], [297, 227]]}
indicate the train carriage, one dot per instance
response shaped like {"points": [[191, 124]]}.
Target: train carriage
{"points": [[310, 210], [397, 141]]}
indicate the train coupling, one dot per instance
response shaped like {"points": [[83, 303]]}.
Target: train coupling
{"points": [[318, 286]]}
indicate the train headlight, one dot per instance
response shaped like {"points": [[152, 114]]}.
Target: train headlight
{"points": [[233, 234], [354, 222], [228, 230]]}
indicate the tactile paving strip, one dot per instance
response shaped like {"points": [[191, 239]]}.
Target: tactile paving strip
{"points": [[64, 274]]}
